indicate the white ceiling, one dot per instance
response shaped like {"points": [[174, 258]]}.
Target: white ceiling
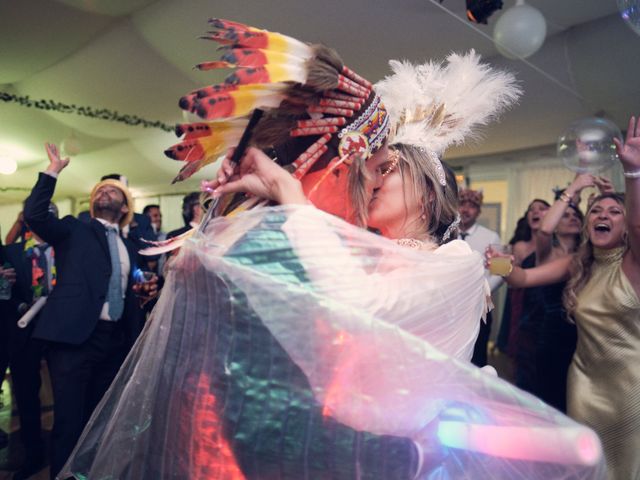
{"points": [[136, 57]]}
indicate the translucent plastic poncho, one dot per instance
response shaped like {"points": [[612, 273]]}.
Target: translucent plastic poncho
{"points": [[288, 344]]}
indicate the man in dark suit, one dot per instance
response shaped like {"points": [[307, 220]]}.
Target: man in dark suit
{"points": [[30, 259], [191, 214], [91, 318], [139, 228]]}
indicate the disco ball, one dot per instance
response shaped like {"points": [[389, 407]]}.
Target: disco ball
{"points": [[587, 145]]}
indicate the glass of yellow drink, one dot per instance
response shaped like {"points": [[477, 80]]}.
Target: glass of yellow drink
{"points": [[500, 261]]}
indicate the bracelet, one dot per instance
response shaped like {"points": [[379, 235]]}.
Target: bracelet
{"points": [[634, 174], [565, 197]]}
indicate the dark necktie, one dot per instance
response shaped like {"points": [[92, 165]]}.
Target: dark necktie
{"points": [[114, 295], [463, 235]]}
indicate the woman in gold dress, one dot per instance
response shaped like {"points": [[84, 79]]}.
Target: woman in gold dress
{"points": [[603, 298]]}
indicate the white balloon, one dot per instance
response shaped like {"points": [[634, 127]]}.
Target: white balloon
{"points": [[630, 13], [520, 31]]}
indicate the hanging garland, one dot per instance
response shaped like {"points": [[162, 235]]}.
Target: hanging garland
{"points": [[100, 114], [15, 189]]}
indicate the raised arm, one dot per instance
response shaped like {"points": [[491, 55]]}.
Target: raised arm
{"points": [[36, 206], [629, 154], [543, 241], [551, 272]]}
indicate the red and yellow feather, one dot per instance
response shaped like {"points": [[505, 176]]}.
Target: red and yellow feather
{"points": [[264, 64], [211, 104]]}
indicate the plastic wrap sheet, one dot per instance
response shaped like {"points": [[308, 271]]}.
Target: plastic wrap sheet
{"points": [[288, 344]]}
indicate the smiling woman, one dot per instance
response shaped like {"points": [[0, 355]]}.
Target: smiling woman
{"points": [[606, 222], [603, 297]]}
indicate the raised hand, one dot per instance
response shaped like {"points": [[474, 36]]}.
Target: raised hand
{"points": [[146, 287], [582, 181], [604, 185], [56, 164], [225, 172], [629, 153], [259, 175]]}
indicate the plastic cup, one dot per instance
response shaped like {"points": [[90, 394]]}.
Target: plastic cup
{"points": [[500, 263]]}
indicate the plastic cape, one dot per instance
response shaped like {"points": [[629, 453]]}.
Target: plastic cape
{"points": [[288, 344]]}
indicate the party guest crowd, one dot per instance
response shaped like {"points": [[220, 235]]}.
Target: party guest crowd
{"points": [[570, 322]]}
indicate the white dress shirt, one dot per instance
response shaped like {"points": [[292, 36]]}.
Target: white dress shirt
{"points": [[479, 238]]}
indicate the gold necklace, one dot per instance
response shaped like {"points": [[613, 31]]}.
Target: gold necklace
{"points": [[410, 242]]}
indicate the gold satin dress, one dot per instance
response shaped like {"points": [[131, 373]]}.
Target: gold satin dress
{"points": [[603, 385]]}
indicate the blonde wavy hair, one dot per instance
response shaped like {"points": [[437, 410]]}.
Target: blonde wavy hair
{"points": [[357, 182], [582, 263]]}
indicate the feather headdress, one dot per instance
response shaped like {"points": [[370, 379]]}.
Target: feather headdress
{"points": [[438, 104], [305, 91]]}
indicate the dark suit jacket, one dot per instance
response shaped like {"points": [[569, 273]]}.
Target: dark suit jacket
{"points": [[21, 295], [83, 270], [140, 228], [178, 231]]}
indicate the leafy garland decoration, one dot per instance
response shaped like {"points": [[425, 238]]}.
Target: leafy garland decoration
{"points": [[15, 189], [86, 111]]}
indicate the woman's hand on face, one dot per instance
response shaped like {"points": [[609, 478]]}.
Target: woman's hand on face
{"points": [[259, 175], [629, 152]]}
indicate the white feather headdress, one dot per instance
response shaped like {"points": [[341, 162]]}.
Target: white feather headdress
{"points": [[438, 104]]}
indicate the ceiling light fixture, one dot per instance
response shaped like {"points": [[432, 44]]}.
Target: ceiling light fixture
{"points": [[7, 165], [478, 11]]}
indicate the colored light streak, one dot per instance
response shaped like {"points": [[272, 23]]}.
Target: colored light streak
{"points": [[568, 445]]}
